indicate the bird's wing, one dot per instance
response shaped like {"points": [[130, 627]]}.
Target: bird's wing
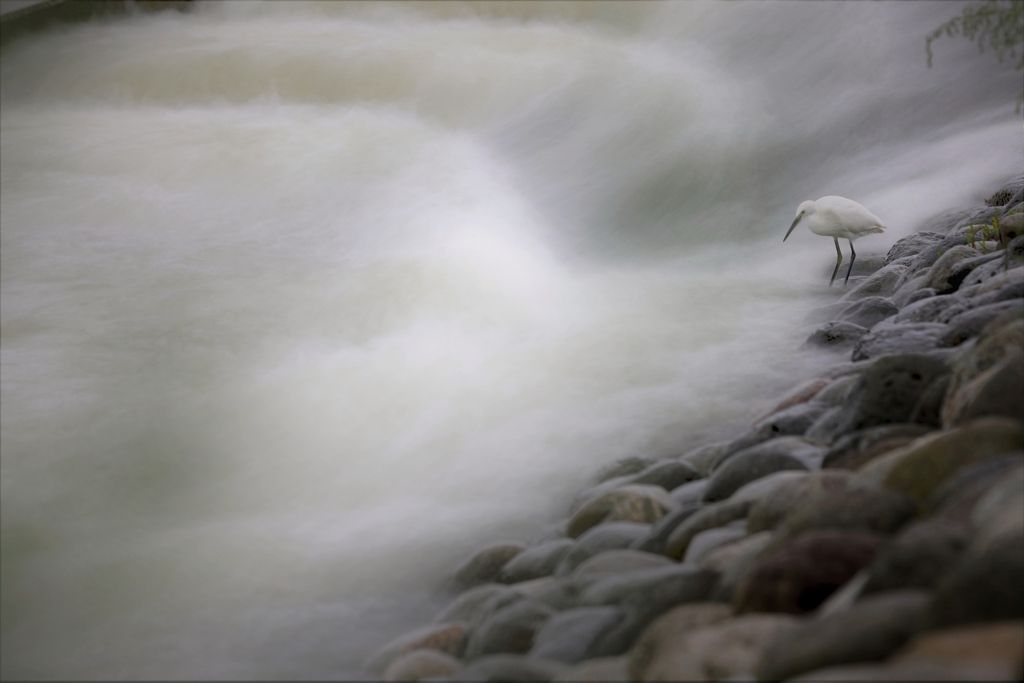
{"points": [[853, 215]]}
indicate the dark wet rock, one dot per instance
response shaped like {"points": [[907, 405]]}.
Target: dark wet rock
{"points": [[836, 334], [746, 467], [689, 493], [1000, 512], [610, 536], [724, 650], [871, 630], [956, 498], [733, 562], [771, 510], [567, 636], [1001, 642], [661, 587], [509, 668], [899, 339], [868, 311], [970, 323], [936, 309], [469, 603], [858, 509], [485, 565], [622, 468], [422, 664], [664, 634], [447, 638], [964, 268], [997, 391], [888, 391], [668, 474], [706, 541], [710, 517], [984, 587], [702, 458], [880, 283], [919, 557], [941, 275], [536, 562], [656, 539], [801, 575], [913, 245], [632, 503], [920, 469], [853, 450], [510, 629]]}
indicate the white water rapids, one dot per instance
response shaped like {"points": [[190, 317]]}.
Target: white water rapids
{"points": [[302, 303]]}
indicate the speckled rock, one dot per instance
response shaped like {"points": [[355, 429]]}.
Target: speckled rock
{"points": [[633, 503], [720, 651], [536, 562], [447, 638], [1001, 339], [871, 630], [485, 565], [888, 391], [598, 669], [837, 334], [662, 635], [505, 667], [610, 536], [940, 272], [510, 629], [716, 515], [745, 467], [928, 409], [996, 391], [420, 664], [855, 449], [899, 339], [801, 575], [568, 635], [918, 469], [984, 587], [918, 557]]}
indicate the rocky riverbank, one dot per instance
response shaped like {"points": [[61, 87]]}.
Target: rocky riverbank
{"points": [[870, 526]]}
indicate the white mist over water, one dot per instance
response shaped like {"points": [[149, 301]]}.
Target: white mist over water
{"points": [[303, 302]]}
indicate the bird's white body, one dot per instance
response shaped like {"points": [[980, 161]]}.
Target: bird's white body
{"points": [[837, 217], [834, 216]]}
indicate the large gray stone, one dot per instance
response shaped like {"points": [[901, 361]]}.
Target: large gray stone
{"points": [[610, 536], [792, 446], [664, 633], [853, 450], [617, 562], [838, 334], [469, 603], [769, 511], [919, 557], [662, 587], [623, 467], [485, 565], [869, 311], [941, 272], [889, 390], [935, 309], [536, 562], [746, 467], [509, 630], [702, 458], [447, 638], [913, 245], [710, 517], [975, 377], [706, 541], [657, 538], [858, 509], [970, 323], [880, 283], [984, 587], [668, 474], [633, 503], [871, 630], [567, 636], [689, 493], [899, 339]]}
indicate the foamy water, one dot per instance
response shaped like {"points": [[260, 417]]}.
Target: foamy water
{"points": [[301, 303]]}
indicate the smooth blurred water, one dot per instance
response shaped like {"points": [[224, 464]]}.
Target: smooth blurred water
{"points": [[302, 303]]}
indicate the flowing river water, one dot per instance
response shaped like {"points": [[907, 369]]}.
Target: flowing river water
{"points": [[303, 302]]}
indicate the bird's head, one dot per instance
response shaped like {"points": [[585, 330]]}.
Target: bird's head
{"points": [[805, 209]]}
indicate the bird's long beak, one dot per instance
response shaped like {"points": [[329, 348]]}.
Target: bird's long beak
{"points": [[792, 226]]}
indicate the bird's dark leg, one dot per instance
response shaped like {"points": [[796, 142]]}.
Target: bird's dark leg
{"points": [[853, 257], [839, 260]]}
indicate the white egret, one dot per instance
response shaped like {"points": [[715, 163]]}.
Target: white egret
{"points": [[837, 217]]}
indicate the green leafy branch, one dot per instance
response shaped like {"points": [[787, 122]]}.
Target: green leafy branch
{"points": [[999, 24]]}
